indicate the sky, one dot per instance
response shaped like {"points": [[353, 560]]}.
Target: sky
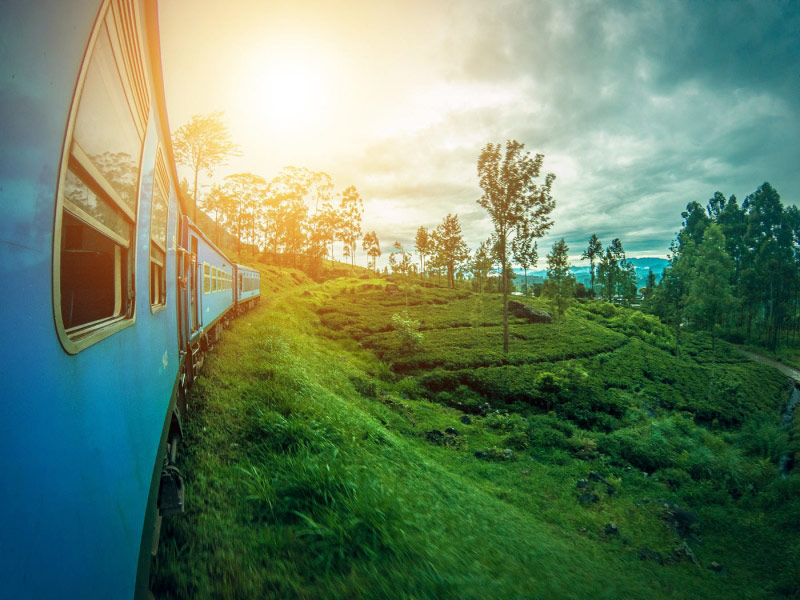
{"points": [[637, 107]]}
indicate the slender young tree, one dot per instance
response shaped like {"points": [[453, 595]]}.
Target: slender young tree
{"points": [[402, 264], [482, 264], [592, 252], [525, 251], [351, 209], [449, 246], [560, 284], [422, 242], [512, 197], [372, 247], [201, 144]]}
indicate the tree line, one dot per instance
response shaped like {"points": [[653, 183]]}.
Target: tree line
{"points": [[735, 270], [273, 216]]}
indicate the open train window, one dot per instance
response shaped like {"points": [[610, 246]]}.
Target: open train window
{"points": [[158, 235], [94, 250]]}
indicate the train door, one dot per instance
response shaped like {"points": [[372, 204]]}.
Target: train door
{"points": [[181, 268], [194, 321]]}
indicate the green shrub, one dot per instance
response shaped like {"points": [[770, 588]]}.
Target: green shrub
{"points": [[407, 331], [549, 431], [408, 387], [674, 478], [762, 436], [517, 440]]}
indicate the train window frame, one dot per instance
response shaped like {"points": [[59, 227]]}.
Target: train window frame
{"points": [[158, 252], [206, 278], [111, 76]]}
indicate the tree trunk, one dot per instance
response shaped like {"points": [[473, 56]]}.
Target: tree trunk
{"points": [[505, 293], [194, 200]]}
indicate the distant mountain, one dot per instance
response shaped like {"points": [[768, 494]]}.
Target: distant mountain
{"points": [[582, 274]]}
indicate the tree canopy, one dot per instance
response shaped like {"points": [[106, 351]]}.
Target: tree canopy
{"points": [[201, 144], [514, 201]]}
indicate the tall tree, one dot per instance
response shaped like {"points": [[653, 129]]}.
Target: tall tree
{"points": [[711, 298], [592, 252], [607, 274], [372, 247], [350, 210], [449, 246], [400, 261], [669, 298], [220, 203], [525, 251], [422, 242], [203, 143], [512, 197], [626, 285], [482, 264], [560, 284], [249, 193]]}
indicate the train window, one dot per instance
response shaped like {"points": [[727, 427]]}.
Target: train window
{"points": [[94, 244], [158, 235], [213, 279], [206, 278]]}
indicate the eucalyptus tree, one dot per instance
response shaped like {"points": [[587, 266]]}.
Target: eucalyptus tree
{"points": [[372, 247], [710, 300], [220, 203], [350, 210], [422, 243], [449, 247], [592, 252], [512, 198], [560, 284], [201, 144], [249, 194], [400, 265], [525, 251], [482, 263]]}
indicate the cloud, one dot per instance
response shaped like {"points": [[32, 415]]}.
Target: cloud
{"points": [[639, 108]]}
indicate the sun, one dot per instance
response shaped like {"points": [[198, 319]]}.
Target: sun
{"points": [[284, 88]]}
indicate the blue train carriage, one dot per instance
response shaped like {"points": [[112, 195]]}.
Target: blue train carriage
{"points": [[248, 288], [210, 290], [91, 351]]}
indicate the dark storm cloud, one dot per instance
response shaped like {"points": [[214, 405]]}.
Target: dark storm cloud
{"points": [[657, 104]]}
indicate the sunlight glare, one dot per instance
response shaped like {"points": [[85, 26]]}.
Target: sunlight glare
{"points": [[284, 88]]}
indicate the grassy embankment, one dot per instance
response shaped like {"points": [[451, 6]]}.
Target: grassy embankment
{"points": [[322, 461]]}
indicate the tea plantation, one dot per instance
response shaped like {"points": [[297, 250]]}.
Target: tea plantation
{"points": [[329, 457]]}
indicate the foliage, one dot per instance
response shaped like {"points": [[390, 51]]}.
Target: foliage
{"points": [[407, 330], [514, 201], [593, 250], [448, 247], [423, 244], [372, 247], [756, 245], [310, 474], [203, 143], [350, 210], [525, 251], [560, 284]]}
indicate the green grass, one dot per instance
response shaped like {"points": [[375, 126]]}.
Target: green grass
{"points": [[312, 471]]}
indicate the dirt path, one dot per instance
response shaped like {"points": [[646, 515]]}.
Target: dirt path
{"points": [[785, 369]]}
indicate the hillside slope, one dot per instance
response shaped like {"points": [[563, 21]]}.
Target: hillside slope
{"points": [[324, 461]]}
